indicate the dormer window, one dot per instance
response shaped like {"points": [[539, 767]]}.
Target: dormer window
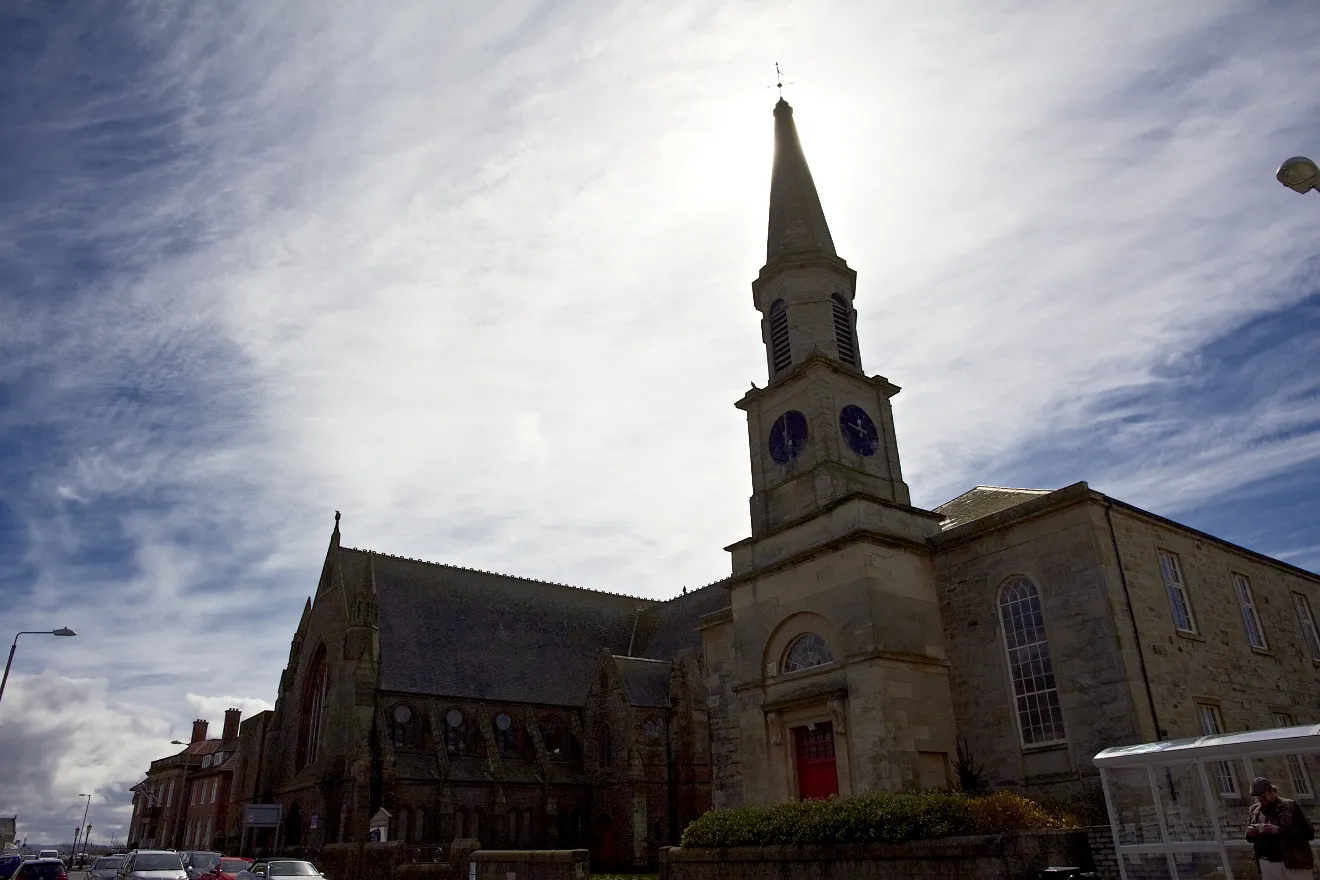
{"points": [[781, 357], [843, 331]]}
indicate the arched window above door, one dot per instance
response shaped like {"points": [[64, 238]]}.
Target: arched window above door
{"points": [[805, 652]]}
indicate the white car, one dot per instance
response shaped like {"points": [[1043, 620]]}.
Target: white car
{"points": [[152, 864], [267, 869]]}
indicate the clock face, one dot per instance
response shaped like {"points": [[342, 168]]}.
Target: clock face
{"points": [[859, 430], [788, 436]]}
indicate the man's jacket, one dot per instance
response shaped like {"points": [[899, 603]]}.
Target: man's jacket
{"points": [[1292, 844]]}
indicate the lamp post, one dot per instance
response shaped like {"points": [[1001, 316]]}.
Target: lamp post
{"points": [[62, 631], [1299, 174], [183, 783], [86, 807]]}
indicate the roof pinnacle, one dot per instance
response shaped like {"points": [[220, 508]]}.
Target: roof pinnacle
{"points": [[797, 221]]}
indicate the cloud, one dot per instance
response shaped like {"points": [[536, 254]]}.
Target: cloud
{"points": [[479, 280], [61, 736], [213, 708]]}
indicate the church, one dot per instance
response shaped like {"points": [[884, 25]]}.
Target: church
{"points": [[859, 642]]}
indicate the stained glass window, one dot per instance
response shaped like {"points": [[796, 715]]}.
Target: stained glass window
{"points": [[807, 651], [1040, 717]]}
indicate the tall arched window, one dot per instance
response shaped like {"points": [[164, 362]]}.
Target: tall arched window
{"points": [[843, 331], [1040, 718], [403, 726], [606, 746], [456, 733], [780, 355], [311, 708], [806, 651]]}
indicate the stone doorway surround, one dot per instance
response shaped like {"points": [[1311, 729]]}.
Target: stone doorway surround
{"points": [[816, 706]]}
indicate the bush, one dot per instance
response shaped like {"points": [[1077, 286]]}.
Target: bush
{"points": [[875, 817]]}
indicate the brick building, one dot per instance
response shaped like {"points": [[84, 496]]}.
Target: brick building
{"points": [[859, 643]]}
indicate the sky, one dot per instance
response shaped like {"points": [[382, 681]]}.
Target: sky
{"points": [[478, 276]]}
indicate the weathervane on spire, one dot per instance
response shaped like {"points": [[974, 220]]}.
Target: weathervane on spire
{"points": [[779, 81]]}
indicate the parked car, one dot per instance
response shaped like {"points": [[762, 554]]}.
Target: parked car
{"points": [[105, 868], [152, 864], [264, 869], [9, 864], [41, 869], [197, 863], [227, 868]]}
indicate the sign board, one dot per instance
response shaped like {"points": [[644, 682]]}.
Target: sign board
{"points": [[261, 815]]}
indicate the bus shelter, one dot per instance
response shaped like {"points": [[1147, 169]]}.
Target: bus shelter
{"points": [[1178, 808]]}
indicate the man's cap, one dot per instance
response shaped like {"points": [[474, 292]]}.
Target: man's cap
{"points": [[1260, 786]]}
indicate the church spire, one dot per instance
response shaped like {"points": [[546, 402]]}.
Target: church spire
{"points": [[797, 221]]}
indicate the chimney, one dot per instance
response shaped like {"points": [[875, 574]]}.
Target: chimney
{"points": [[231, 724], [199, 730]]}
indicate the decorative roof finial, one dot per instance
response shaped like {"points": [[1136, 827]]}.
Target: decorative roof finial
{"points": [[336, 520]]}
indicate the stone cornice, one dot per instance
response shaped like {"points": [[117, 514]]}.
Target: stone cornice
{"points": [[816, 360]]}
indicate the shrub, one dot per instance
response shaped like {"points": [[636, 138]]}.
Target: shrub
{"points": [[875, 817]]}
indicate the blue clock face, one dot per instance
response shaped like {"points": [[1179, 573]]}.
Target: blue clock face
{"points": [[859, 430], [788, 436]]}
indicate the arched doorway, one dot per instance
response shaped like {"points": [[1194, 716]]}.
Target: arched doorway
{"points": [[293, 826], [605, 851]]}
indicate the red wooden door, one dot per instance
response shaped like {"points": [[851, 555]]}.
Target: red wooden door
{"points": [[817, 773]]}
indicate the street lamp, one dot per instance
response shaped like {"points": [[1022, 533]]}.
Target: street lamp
{"points": [[62, 631], [1299, 174], [87, 807]]}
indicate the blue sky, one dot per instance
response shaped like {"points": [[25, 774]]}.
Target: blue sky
{"points": [[480, 281]]}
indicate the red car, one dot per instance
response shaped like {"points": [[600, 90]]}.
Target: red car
{"points": [[226, 868]]}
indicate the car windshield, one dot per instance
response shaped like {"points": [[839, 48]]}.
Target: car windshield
{"points": [[157, 862], [111, 864], [292, 869], [233, 866], [203, 860]]}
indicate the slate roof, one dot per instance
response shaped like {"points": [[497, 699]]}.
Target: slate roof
{"points": [[981, 502], [645, 682], [665, 628], [463, 633]]}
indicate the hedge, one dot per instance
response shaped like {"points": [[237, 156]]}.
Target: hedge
{"points": [[875, 817]]}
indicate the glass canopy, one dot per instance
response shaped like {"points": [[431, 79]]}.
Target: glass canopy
{"points": [[1178, 808]]}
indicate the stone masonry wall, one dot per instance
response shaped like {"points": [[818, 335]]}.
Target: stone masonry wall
{"points": [[991, 857], [1058, 553], [1217, 664], [725, 758]]}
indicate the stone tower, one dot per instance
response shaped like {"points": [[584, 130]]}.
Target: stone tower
{"points": [[830, 661]]}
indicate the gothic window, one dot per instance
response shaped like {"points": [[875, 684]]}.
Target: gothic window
{"points": [[1040, 719], [457, 733], [843, 331], [807, 650], [781, 357], [507, 735], [606, 746], [311, 709], [403, 726]]}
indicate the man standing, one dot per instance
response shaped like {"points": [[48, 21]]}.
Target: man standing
{"points": [[1280, 834]]}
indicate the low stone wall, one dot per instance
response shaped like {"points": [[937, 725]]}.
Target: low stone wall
{"points": [[988, 857], [362, 861], [528, 864]]}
